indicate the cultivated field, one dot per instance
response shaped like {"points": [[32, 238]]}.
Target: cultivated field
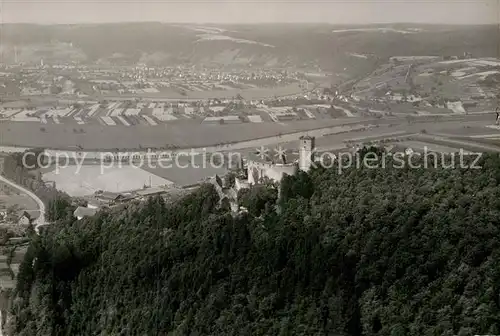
{"points": [[431, 85], [7, 279], [487, 141], [10, 268], [420, 146], [10, 197], [90, 179], [152, 113], [249, 93], [193, 173]]}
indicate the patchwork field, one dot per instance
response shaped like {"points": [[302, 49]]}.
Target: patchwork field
{"points": [[130, 112], [459, 86]]}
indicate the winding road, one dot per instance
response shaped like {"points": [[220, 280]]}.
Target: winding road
{"points": [[41, 219]]}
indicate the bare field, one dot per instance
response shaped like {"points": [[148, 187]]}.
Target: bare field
{"points": [[24, 202], [486, 141], [251, 93], [432, 81], [122, 137], [90, 179], [6, 272], [472, 131], [188, 173], [419, 146]]}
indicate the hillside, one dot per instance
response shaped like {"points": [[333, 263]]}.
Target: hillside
{"points": [[259, 45], [371, 252]]}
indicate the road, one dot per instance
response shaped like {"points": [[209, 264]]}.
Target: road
{"points": [[41, 219]]}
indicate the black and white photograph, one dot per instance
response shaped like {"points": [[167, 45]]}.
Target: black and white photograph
{"points": [[250, 167]]}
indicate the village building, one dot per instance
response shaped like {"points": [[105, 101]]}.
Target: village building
{"points": [[24, 219], [150, 192], [106, 198], [82, 212], [232, 119]]}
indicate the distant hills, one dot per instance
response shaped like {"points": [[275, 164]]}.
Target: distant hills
{"points": [[327, 46]]}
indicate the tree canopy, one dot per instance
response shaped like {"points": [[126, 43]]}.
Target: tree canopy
{"points": [[366, 252]]}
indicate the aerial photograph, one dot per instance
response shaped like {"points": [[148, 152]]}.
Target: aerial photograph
{"points": [[234, 167]]}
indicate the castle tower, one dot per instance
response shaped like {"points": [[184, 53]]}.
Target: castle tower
{"points": [[306, 149]]}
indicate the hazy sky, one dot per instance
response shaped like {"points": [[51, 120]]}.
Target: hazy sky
{"points": [[203, 11]]}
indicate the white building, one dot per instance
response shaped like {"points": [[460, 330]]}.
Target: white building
{"points": [[82, 212], [260, 169]]}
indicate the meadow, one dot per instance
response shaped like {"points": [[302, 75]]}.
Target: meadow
{"points": [[91, 178]]}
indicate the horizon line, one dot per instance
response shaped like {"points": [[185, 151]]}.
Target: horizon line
{"points": [[254, 23]]}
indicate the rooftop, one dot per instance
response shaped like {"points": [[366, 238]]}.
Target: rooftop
{"points": [[225, 118], [151, 191], [81, 212], [108, 195], [289, 157]]}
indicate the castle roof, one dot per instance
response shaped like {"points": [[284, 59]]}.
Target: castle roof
{"points": [[289, 157]]}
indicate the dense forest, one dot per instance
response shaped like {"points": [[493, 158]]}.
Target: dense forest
{"points": [[368, 252]]}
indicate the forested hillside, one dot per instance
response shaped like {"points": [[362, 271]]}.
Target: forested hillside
{"points": [[369, 252]]}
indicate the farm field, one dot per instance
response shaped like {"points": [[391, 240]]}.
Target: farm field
{"points": [[249, 93], [470, 131], [420, 146], [486, 141], [458, 86], [130, 113], [9, 198], [123, 178], [91, 178], [185, 176], [8, 273], [7, 281]]}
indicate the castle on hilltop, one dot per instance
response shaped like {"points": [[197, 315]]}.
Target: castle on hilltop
{"points": [[263, 167]]}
